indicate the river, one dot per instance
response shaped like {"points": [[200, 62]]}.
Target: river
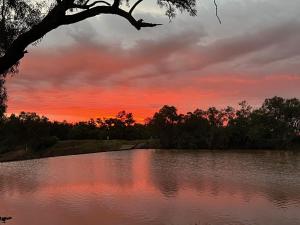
{"points": [[154, 187]]}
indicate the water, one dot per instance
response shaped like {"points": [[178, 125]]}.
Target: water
{"points": [[154, 187]]}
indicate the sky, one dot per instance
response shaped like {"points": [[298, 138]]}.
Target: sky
{"points": [[103, 65]]}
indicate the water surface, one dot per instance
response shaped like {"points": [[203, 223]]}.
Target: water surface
{"points": [[154, 187]]}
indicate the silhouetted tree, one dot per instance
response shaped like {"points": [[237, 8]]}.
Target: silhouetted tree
{"points": [[274, 125], [2, 98], [122, 126], [194, 130], [84, 130], [164, 125], [238, 126], [26, 130]]}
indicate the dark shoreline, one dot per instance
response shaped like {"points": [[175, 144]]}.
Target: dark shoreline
{"points": [[78, 147]]}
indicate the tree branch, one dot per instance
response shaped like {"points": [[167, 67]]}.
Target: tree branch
{"points": [[86, 6], [96, 2], [138, 24], [116, 3], [57, 17], [17, 49], [217, 12], [134, 6]]}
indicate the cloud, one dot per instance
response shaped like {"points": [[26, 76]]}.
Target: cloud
{"points": [[90, 63], [184, 63]]}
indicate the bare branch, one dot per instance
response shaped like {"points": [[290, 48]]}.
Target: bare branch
{"points": [[138, 24], [116, 3], [217, 12], [134, 6], [96, 2], [86, 6]]}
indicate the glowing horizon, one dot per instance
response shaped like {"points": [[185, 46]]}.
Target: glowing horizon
{"points": [[83, 71]]}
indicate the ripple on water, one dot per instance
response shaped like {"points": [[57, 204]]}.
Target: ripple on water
{"points": [[143, 187]]}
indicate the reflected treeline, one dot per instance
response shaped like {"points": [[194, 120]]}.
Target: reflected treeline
{"points": [[118, 169], [20, 178], [164, 173], [245, 175], [3, 219], [269, 174]]}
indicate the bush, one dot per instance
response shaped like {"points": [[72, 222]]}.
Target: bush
{"points": [[44, 142]]}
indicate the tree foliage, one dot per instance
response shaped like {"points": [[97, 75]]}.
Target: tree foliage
{"points": [[3, 98], [274, 125]]}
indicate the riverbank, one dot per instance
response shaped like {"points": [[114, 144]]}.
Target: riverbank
{"points": [[76, 147]]}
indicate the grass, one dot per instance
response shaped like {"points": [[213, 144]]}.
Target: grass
{"points": [[75, 147]]}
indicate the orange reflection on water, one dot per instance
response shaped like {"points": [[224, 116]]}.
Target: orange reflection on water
{"points": [[153, 187]]}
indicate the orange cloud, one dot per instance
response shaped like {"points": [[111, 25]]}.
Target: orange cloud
{"points": [[92, 80]]}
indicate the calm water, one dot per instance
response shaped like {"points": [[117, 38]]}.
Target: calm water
{"points": [[152, 187]]}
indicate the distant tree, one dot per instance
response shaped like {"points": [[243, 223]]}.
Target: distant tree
{"points": [[119, 127], [279, 116], [60, 129], [164, 124], [126, 118], [129, 120], [194, 130], [27, 131], [244, 110], [275, 125], [283, 110], [238, 126], [84, 130], [167, 115], [216, 119]]}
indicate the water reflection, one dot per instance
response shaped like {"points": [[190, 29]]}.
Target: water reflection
{"points": [[274, 175], [20, 178], [164, 173], [154, 187]]}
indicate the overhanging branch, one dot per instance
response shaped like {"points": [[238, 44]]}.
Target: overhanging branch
{"points": [[88, 6], [98, 10], [134, 6]]}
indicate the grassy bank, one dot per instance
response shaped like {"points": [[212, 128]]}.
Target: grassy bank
{"points": [[75, 147]]}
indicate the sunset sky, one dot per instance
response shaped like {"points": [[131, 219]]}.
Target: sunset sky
{"points": [[103, 65]]}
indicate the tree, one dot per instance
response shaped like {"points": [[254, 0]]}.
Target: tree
{"points": [[24, 22], [281, 114], [164, 124], [238, 126], [27, 131], [194, 130], [125, 118], [2, 98]]}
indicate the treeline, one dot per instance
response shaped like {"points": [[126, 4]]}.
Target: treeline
{"points": [[31, 131], [274, 125]]}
